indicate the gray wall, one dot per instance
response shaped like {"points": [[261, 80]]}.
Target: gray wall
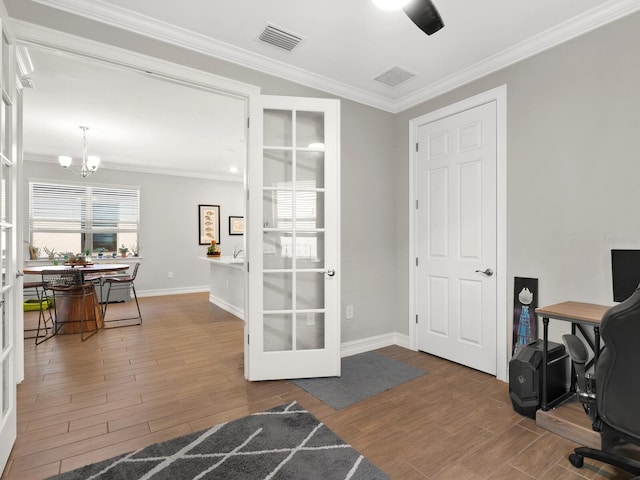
{"points": [[573, 165], [367, 193], [168, 222]]}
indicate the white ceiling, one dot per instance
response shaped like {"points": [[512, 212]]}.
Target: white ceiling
{"points": [[136, 122], [346, 44]]}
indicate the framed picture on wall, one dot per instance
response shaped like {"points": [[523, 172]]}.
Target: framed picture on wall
{"points": [[236, 225], [209, 224]]}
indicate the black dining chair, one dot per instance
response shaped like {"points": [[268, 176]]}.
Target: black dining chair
{"points": [[69, 290], [35, 294], [115, 282]]}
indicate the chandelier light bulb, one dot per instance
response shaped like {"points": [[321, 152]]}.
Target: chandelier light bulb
{"points": [[93, 162], [64, 161]]}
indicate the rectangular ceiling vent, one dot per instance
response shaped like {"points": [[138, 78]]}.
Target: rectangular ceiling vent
{"points": [[394, 77], [280, 38]]}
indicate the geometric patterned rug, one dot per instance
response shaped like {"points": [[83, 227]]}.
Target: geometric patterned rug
{"points": [[286, 442]]}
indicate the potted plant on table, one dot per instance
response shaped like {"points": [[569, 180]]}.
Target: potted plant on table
{"points": [[123, 250], [34, 252], [213, 250]]}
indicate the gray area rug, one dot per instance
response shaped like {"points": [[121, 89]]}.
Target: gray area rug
{"points": [[286, 442], [363, 376]]}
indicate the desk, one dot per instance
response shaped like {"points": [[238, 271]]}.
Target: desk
{"points": [[580, 315], [71, 309]]}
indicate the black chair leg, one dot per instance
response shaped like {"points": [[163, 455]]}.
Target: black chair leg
{"points": [[106, 303], [43, 320], [83, 315], [135, 296], [623, 463]]}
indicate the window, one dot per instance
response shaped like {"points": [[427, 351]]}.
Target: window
{"points": [[78, 217]]}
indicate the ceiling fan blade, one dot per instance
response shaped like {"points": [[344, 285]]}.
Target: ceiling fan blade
{"points": [[425, 15]]}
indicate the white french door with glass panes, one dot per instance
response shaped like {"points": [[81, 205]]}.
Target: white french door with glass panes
{"points": [[293, 321], [10, 315]]}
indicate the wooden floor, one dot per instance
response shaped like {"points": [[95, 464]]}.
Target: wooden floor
{"points": [[182, 371]]}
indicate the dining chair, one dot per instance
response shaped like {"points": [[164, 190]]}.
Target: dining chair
{"points": [[116, 282], [35, 293], [72, 297]]}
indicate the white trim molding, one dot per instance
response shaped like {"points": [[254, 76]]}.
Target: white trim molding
{"points": [[171, 291], [499, 95], [125, 19], [232, 309], [32, 157], [373, 343], [101, 11]]}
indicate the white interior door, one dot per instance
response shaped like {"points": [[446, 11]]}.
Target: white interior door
{"points": [[456, 238], [293, 321], [9, 314]]}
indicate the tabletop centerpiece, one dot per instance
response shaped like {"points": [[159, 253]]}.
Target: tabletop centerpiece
{"points": [[213, 250]]}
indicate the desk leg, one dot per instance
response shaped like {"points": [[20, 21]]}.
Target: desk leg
{"points": [[572, 379], [545, 339]]}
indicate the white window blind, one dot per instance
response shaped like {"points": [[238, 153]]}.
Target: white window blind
{"points": [[55, 207]]}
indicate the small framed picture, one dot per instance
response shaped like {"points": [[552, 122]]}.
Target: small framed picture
{"points": [[209, 224], [236, 225]]}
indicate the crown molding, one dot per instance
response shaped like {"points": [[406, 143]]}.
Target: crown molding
{"points": [[100, 11], [33, 157], [116, 16], [553, 37]]}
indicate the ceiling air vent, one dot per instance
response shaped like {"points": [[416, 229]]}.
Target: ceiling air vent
{"points": [[394, 77], [280, 38]]}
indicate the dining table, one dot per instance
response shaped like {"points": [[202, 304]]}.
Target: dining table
{"points": [[69, 309]]}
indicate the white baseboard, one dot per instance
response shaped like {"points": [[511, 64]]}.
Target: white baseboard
{"points": [[372, 343], [238, 312], [173, 291]]}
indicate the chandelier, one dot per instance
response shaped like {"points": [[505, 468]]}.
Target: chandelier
{"points": [[90, 163]]}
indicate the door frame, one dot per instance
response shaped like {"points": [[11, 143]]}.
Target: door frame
{"points": [[29, 34], [499, 95]]}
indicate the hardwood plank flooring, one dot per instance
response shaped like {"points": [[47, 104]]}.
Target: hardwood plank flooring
{"points": [[182, 371]]}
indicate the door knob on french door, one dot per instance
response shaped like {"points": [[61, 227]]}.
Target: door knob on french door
{"points": [[488, 272], [331, 272]]}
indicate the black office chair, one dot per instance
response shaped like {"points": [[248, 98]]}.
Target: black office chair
{"points": [[122, 282], [612, 397]]}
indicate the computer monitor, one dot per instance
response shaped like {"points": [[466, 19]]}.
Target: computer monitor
{"points": [[625, 271]]}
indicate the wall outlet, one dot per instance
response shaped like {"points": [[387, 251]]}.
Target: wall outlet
{"points": [[170, 275], [349, 312]]}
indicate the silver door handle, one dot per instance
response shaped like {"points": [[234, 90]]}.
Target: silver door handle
{"points": [[331, 272], [488, 272]]}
